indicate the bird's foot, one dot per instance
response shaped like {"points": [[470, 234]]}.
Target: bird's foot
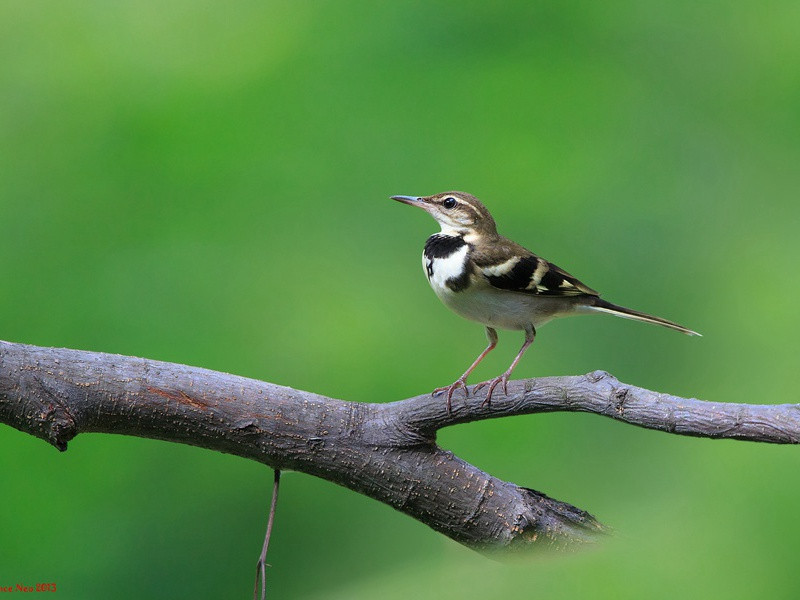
{"points": [[493, 383], [461, 382]]}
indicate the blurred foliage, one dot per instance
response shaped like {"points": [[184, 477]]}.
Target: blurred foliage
{"points": [[208, 183]]}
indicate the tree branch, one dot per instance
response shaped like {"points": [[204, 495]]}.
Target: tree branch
{"points": [[385, 451]]}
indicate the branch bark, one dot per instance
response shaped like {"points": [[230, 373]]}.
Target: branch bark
{"points": [[385, 451]]}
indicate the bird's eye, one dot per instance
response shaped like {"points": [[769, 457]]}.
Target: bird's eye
{"points": [[449, 202]]}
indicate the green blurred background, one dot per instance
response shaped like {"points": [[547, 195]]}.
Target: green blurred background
{"points": [[208, 183]]}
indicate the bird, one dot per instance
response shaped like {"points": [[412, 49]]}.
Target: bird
{"points": [[485, 277]]}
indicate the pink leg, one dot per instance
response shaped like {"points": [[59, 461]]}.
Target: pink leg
{"points": [[530, 334], [462, 381]]}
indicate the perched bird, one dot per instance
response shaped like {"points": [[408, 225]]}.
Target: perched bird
{"points": [[487, 278]]}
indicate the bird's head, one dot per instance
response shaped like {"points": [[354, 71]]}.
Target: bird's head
{"points": [[458, 213]]}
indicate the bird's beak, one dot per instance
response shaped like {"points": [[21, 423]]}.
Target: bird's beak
{"points": [[408, 199]]}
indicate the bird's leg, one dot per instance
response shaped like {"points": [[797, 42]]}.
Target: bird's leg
{"points": [[462, 381], [530, 334]]}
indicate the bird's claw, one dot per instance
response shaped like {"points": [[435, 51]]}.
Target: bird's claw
{"points": [[450, 389], [492, 383]]}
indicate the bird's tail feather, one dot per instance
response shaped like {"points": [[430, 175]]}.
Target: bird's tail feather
{"points": [[627, 313]]}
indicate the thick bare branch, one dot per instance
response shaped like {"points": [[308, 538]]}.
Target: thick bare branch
{"points": [[386, 451]]}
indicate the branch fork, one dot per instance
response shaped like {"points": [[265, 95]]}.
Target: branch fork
{"points": [[385, 451]]}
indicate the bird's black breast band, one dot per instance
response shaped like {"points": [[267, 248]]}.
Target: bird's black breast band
{"points": [[442, 246]]}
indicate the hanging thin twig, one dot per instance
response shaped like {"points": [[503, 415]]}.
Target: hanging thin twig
{"points": [[261, 566]]}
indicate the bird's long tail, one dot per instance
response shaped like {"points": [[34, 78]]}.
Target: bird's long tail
{"points": [[627, 313]]}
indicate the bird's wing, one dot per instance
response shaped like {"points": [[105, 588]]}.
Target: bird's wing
{"points": [[558, 281], [512, 267]]}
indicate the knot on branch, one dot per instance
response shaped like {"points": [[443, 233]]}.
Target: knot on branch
{"points": [[42, 411], [599, 375], [58, 425], [620, 395]]}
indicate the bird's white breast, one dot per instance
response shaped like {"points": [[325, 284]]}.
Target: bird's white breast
{"points": [[440, 270]]}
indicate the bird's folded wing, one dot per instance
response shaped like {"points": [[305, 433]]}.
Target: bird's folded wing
{"points": [[530, 274]]}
